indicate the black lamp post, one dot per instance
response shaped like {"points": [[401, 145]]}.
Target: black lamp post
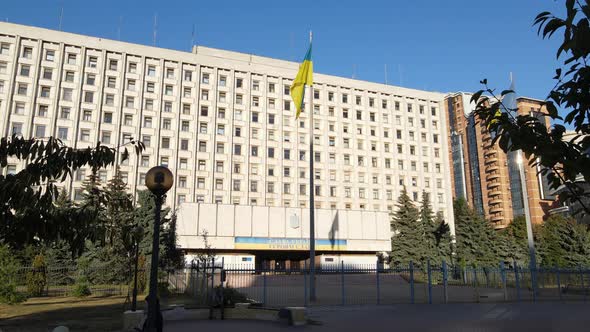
{"points": [[137, 236], [159, 180]]}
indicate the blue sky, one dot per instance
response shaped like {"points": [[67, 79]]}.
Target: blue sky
{"points": [[442, 46]]}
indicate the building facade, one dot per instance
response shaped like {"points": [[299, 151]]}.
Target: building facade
{"points": [[484, 175], [224, 123]]}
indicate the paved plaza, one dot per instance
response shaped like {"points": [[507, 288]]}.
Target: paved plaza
{"points": [[538, 317]]}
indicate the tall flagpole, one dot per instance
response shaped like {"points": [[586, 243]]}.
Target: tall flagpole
{"points": [[312, 296]]}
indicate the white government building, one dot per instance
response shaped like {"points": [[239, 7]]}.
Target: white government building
{"points": [[225, 125]]}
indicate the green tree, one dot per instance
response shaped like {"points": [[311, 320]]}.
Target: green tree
{"points": [[563, 243], [144, 217], [37, 276], [561, 161], [476, 241], [442, 239], [407, 243], [118, 212], [26, 198], [9, 268]]}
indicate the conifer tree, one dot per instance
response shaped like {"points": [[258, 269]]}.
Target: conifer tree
{"points": [[476, 240], [407, 243], [118, 212]]}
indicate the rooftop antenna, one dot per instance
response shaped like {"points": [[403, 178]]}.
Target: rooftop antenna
{"points": [[119, 28], [399, 69], [61, 16], [292, 47], [193, 38], [155, 28], [354, 70], [385, 74]]}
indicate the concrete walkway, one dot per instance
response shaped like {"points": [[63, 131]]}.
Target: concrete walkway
{"points": [[422, 317]]}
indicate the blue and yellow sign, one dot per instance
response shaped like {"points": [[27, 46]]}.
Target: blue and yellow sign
{"points": [[271, 243]]}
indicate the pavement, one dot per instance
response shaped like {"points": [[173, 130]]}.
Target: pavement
{"points": [[538, 317]]}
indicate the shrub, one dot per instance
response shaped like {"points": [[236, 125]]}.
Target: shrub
{"points": [[82, 288], [8, 275], [37, 277], [231, 296]]}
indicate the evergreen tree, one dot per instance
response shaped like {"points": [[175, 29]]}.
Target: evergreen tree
{"points": [[516, 242], [476, 240], [144, 217], [563, 243], [428, 227], [442, 239], [93, 202], [118, 213], [171, 254], [70, 226], [407, 243]]}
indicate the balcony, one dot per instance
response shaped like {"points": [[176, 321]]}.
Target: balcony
{"points": [[493, 184], [492, 176], [494, 193], [492, 167], [496, 209], [496, 201], [491, 159]]}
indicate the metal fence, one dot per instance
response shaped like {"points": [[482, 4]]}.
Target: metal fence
{"points": [[63, 281], [372, 284], [337, 284]]}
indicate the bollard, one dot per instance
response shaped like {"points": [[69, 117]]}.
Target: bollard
{"points": [[411, 282], [342, 280], [445, 282], [429, 271], [558, 282], [264, 287], [516, 280], [503, 276], [378, 284]]}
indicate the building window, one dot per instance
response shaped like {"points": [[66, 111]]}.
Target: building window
{"points": [[87, 115], [92, 61], [85, 135], [22, 89], [88, 96], [62, 133], [47, 73], [42, 111], [69, 76], [71, 59], [151, 70]]}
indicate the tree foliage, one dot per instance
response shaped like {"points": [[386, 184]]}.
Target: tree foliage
{"points": [[169, 255], [37, 276], [476, 240], [561, 161], [407, 243], [564, 243], [27, 197]]}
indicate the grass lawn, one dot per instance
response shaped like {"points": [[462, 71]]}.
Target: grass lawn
{"points": [[79, 314], [93, 313]]}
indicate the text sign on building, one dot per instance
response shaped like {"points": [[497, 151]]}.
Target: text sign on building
{"points": [[270, 243]]}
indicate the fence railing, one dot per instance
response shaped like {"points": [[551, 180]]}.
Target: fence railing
{"points": [[372, 284], [336, 284]]}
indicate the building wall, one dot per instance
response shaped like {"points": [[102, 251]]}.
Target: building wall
{"points": [[496, 168], [371, 139], [236, 227]]}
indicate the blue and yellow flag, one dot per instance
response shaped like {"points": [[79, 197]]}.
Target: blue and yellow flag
{"points": [[304, 77]]}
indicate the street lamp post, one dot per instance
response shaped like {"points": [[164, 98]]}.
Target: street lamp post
{"points": [[158, 180], [137, 235], [527, 216]]}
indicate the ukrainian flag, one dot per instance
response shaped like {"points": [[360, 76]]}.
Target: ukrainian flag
{"points": [[304, 77]]}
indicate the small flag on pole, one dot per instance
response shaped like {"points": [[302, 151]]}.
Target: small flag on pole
{"points": [[304, 77]]}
